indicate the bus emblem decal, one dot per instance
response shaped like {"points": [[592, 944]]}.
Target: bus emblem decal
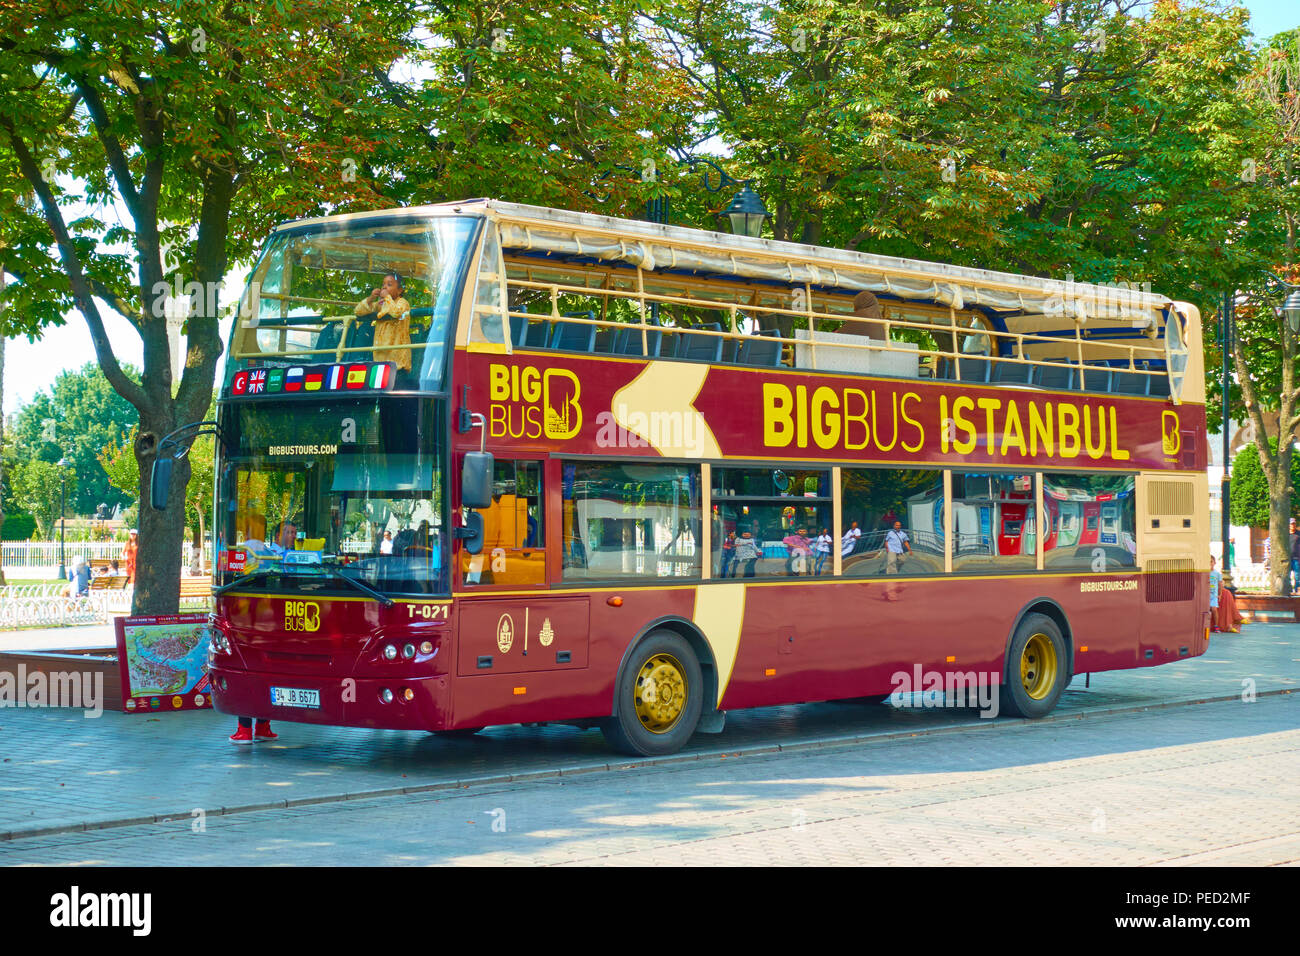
{"points": [[505, 633], [1170, 440], [563, 415], [301, 616], [546, 635]]}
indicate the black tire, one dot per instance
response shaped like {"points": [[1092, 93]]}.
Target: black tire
{"points": [[626, 731], [459, 732], [1037, 668]]}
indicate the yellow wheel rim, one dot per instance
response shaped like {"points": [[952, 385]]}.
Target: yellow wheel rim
{"points": [[1038, 666], [660, 693]]}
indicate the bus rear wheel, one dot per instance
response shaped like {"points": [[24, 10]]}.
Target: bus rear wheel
{"points": [[658, 698], [1037, 669]]}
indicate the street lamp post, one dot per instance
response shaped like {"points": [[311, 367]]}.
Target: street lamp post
{"points": [[745, 213], [64, 464], [1291, 310], [1225, 483]]}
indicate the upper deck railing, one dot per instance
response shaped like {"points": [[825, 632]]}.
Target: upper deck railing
{"points": [[550, 280]]}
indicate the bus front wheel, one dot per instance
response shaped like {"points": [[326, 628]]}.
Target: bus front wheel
{"points": [[1038, 668], [658, 698]]}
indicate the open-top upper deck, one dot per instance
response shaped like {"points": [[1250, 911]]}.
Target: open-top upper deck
{"points": [[492, 276]]}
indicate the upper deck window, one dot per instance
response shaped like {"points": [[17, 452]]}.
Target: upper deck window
{"points": [[374, 290]]}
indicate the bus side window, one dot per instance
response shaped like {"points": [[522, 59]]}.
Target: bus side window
{"points": [[514, 544]]}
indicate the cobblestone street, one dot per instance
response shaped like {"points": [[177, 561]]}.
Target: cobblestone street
{"points": [[1132, 771]]}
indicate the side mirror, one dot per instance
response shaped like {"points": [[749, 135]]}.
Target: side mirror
{"points": [[160, 482], [476, 480], [472, 533]]}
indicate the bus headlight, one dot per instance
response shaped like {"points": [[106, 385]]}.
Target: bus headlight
{"points": [[426, 647], [390, 652], [386, 696], [408, 651]]}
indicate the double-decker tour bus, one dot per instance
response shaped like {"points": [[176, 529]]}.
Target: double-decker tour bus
{"points": [[484, 463]]}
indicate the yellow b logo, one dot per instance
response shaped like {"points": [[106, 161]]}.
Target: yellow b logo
{"points": [[563, 415], [1170, 440], [301, 616]]}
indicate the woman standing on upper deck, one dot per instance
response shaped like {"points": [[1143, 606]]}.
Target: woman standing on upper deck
{"points": [[392, 317]]}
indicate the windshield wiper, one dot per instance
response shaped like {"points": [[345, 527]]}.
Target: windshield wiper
{"points": [[380, 596], [333, 572], [245, 579]]}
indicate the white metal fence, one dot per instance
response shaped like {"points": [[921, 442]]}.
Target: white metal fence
{"points": [[1253, 576], [48, 605], [42, 557]]}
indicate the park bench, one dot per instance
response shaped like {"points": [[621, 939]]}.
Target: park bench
{"points": [[195, 590], [108, 582]]}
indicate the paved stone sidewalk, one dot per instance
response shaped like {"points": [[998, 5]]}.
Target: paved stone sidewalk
{"points": [[1201, 784], [77, 637], [59, 770]]}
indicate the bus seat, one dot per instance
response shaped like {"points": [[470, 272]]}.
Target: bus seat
{"points": [[628, 342], [329, 338], [1124, 382], [700, 348], [568, 337], [1096, 378], [361, 335], [1011, 373], [973, 369], [1053, 376], [527, 334], [756, 351]]}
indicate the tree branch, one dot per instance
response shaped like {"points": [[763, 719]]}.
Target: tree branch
{"points": [[81, 287]]}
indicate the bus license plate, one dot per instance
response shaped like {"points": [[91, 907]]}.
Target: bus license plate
{"points": [[295, 697]]}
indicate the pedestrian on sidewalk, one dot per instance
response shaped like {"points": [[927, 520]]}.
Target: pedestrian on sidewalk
{"points": [[1216, 585], [80, 577], [128, 555], [247, 733], [1295, 558]]}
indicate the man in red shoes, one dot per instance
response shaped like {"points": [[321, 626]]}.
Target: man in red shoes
{"points": [[247, 733]]}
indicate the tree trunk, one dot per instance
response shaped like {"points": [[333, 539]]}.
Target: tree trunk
{"points": [[3, 582], [158, 563], [1279, 515], [196, 547]]}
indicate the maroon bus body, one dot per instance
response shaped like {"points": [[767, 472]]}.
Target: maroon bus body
{"points": [[807, 640]]}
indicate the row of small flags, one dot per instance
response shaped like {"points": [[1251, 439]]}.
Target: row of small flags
{"points": [[312, 378]]}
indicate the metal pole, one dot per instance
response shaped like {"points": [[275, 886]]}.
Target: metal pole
{"points": [[656, 210], [1225, 486], [63, 555]]}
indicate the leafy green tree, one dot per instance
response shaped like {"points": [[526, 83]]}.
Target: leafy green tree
{"points": [[1075, 137], [37, 489], [77, 417], [161, 142], [1251, 503], [1265, 349], [560, 104], [118, 461]]}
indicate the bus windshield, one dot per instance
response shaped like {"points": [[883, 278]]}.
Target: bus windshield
{"points": [[311, 492], [377, 290]]}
